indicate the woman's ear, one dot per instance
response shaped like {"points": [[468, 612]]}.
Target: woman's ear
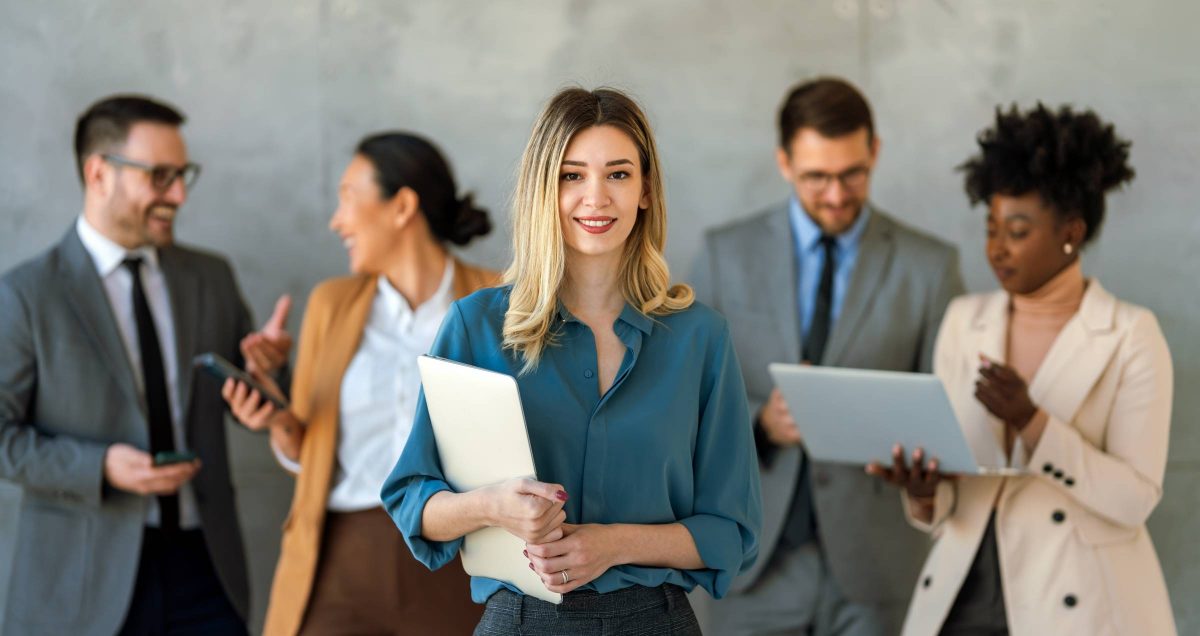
{"points": [[644, 202], [1076, 231], [405, 205]]}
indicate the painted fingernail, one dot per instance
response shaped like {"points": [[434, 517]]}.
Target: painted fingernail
{"points": [[530, 566], [526, 553], [561, 495]]}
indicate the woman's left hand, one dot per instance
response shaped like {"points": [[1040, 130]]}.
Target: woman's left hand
{"points": [[584, 553], [1004, 394]]}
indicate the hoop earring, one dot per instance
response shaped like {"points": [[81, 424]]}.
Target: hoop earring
{"points": [[1068, 249]]}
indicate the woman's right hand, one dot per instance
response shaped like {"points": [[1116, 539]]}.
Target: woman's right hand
{"points": [[919, 481], [250, 408], [526, 508]]}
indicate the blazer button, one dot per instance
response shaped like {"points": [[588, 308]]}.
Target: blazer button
{"points": [[588, 374], [1048, 468], [1069, 481], [1070, 600], [1058, 474], [1058, 516], [927, 582], [822, 478]]}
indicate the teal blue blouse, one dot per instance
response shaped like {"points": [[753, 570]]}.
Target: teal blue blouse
{"points": [[671, 441]]}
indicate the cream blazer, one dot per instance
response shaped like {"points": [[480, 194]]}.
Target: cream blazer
{"points": [[1075, 557]]}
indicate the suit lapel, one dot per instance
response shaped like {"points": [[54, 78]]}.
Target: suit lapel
{"points": [[89, 302], [874, 257], [183, 288], [779, 262], [989, 327], [1079, 355]]}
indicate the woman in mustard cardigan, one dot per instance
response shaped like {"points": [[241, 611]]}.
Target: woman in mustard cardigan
{"points": [[343, 567]]}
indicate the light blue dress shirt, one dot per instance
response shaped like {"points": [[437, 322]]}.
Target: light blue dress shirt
{"points": [[810, 261], [669, 442]]}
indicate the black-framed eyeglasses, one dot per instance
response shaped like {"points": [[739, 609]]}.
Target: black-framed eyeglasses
{"points": [[161, 175], [852, 179]]}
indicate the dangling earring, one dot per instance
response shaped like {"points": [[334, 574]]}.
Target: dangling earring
{"points": [[1068, 249]]}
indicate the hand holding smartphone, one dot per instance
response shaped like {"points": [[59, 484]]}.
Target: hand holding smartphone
{"points": [[223, 369]]}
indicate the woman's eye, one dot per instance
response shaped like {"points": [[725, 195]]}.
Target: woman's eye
{"points": [[571, 176], [620, 174], [1017, 235]]}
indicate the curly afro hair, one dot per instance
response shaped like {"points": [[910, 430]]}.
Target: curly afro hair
{"points": [[1071, 159]]}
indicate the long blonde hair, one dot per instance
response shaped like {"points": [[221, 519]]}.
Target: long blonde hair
{"points": [[538, 268]]}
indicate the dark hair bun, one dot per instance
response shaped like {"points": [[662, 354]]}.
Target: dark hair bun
{"points": [[1071, 159], [469, 221]]}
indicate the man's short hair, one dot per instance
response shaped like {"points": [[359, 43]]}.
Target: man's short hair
{"points": [[105, 125], [830, 105]]}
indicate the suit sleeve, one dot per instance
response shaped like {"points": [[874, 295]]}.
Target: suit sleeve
{"points": [[950, 285], [56, 466], [703, 280], [1121, 482]]}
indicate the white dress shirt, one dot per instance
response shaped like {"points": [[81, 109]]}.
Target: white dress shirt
{"points": [[379, 393], [118, 285]]}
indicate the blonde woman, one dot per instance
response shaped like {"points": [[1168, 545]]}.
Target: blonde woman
{"points": [[633, 399]]}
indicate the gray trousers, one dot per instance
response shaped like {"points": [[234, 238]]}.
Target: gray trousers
{"points": [[797, 596], [633, 611]]}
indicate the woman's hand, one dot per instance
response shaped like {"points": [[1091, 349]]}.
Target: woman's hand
{"points": [[250, 408], [579, 557], [526, 508], [920, 481], [266, 350], [1004, 394]]}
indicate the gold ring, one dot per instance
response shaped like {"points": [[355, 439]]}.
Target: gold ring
{"points": [[565, 577]]}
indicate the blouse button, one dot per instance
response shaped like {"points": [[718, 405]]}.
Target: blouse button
{"points": [[1070, 600], [1058, 516], [588, 374]]}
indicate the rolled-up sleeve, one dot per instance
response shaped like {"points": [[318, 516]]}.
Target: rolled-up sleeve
{"points": [[727, 516], [418, 475]]}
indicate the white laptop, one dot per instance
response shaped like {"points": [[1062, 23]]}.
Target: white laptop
{"points": [[481, 437], [856, 416]]}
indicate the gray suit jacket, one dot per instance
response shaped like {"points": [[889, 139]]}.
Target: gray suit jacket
{"points": [[900, 287], [67, 391]]}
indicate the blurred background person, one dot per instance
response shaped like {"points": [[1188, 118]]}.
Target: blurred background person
{"points": [[343, 568], [1055, 375], [828, 278]]}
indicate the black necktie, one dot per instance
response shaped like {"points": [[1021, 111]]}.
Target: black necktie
{"points": [[822, 318], [158, 405]]}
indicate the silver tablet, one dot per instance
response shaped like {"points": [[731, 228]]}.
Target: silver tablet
{"points": [[856, 416], [481, 437]]}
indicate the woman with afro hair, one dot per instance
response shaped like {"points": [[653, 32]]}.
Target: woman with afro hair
{"points": [[1055, 377]]}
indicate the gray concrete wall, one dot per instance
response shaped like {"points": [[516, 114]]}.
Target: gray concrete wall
{"points": [[278, 91]]}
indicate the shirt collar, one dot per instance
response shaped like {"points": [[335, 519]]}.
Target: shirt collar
{"points": [[628, 315], [106, 254], [394, 305], [808, 233]]}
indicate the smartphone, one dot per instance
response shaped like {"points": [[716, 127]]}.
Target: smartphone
{"points": [[166, 458], [223, 369]]}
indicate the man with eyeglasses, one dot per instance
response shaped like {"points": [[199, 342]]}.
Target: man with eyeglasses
{"points": [[825, 278], [127, 519]]}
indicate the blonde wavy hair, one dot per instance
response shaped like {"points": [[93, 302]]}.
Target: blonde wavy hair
{"points": [[538, 268]]}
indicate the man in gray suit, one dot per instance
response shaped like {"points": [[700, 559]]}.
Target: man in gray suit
{"points": [[825, 278], [97, 390]]}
